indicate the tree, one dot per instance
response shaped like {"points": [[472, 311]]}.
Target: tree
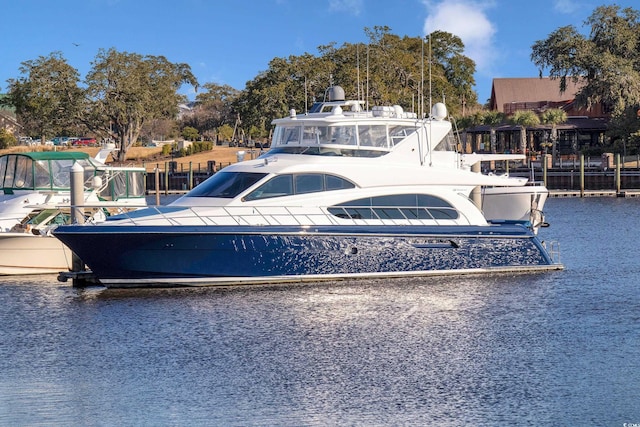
{"points": [[125, 90], [387, 70], [47, 96], [213, 108], [159, 129], [554, 117], [190, 134], [6, 139], [524, 119], [609, 60], [225, 132]]}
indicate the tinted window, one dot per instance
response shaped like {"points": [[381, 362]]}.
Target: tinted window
{"points": [[283, 185], [309, 183], [277, 186], [396, 206], [226, 184], [336, 183]]}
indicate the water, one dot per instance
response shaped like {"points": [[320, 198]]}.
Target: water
{"points": [[557, 348]]}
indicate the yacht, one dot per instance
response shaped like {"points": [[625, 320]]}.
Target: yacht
{"points": [[343, 193]]}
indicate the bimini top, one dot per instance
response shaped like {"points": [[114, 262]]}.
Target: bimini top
{"points": [[51, 171], [50, 155]]}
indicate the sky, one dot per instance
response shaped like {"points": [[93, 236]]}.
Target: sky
{"points": [[231, 42]]}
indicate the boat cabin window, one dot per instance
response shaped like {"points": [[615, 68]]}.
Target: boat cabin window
{"points": [[349, 135], [396, 206], [316, 135], [448, 143], [50, 217], [226, 184], [398, 133], [9, 172], [24, 172], [61, 173], [23, 177], [284, 135], [3, 169], [123, 184], [301, 183], [342, 135], [372, 135], [42, 174]]}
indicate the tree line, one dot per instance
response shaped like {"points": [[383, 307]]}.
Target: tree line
{"points": [[126, 95]]}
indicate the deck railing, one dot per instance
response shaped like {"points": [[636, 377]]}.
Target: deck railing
{"points": [[286, 216]]}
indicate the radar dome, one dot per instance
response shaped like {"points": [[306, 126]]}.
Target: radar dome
{"points": [[439, 111], [336, 93]]}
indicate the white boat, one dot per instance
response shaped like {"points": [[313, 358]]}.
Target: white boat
{"points": [[44, 178], [36, 196], [343, 193], [30, 248]]}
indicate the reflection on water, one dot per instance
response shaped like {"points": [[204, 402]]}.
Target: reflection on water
{"points": [[557, 348]]}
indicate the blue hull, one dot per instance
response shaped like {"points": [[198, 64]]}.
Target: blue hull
{"points": [[196, 255]]}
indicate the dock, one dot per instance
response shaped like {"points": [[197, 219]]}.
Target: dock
{"points": [[594, 193]]}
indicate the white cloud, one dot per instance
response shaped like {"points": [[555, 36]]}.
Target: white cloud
{"points": [[353, 7], [566, 6], [466, 19]]}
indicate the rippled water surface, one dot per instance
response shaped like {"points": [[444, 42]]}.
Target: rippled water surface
{"points": [[559, 348]]}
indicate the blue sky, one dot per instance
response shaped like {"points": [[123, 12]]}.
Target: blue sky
{"points": [[230, 42]]}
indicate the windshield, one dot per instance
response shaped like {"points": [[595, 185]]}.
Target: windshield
{"points": [[226, 184]]}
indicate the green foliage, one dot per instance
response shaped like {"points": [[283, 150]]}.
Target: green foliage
{"points": [[525, 118], [492, 118], [190, 134], [395, 67], [167, 149], [46, 97], [554, 116], [608, 60], [225, 132], [625, 126], [201, 146], [213, 108], [129, 95], [125, 90], [194, 148], [7, 139]]}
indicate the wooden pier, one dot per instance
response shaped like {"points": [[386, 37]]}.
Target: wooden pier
{"points": [[594, 193]]}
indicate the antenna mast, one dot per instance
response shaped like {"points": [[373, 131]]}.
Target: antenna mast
{"points": [[358, 70], [421, 101], [430, 101], [367, 94]]}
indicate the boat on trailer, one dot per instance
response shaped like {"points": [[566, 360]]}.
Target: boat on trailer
{"points": [[343, 193]]}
